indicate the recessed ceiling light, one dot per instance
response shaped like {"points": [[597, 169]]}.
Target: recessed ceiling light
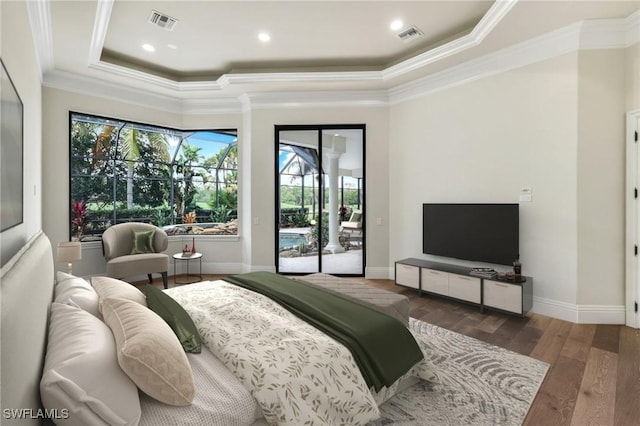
{"points": [[264, 37], [148, 47], [172, 46], [396, 25]]}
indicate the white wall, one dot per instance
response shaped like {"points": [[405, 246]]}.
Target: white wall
{"points": [[254, 249], [484, 141], [601, 177], [18, 53], [261, 124], [219, 254], [632, 77]]}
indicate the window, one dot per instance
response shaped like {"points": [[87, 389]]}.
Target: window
{"points": [[183, 181]]}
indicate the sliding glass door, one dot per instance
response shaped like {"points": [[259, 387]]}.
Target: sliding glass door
{"points": [[320, 199]]}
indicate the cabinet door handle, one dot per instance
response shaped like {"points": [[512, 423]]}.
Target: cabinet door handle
{"points": [[464, 278], [501, 285]]}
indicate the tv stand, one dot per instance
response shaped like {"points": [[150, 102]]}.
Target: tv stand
{"points": [[456, 282]]}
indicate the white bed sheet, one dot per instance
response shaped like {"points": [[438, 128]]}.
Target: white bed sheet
{"points": [[220, 399]]}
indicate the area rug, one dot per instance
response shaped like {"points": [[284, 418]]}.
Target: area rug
{"points": [[478, 383]]}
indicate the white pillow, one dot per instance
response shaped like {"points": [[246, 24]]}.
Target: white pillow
{"points": [[76, 291], [107, 288], [149, 352], [81, 372]]}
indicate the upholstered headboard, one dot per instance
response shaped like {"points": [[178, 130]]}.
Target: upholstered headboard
{"points": [[26, 291]]}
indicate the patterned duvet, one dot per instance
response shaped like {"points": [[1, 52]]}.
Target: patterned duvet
{"points": [[297, 374]]}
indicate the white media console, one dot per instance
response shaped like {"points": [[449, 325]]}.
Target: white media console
{"points": [[455, 281]]}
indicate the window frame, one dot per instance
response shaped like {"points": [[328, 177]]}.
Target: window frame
{"points": [[183, 136]]}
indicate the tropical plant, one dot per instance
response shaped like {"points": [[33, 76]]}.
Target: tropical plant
{"points": [[79, 212], [300, 220], [190, 217], [318, 230], [130, 144], [161, 217], [189, 157], [221, 214]]}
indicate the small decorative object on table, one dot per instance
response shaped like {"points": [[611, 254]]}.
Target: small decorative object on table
{"points": [[517, 268], [193, 246], [186, 251]]}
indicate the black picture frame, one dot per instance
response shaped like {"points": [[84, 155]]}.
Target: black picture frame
{"points": [[11, 153]]}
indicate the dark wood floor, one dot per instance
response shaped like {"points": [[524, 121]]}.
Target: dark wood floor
{"points": [[594, 377]]}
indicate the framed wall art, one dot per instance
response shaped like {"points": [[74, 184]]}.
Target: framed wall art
{"points": [[11, 153]]}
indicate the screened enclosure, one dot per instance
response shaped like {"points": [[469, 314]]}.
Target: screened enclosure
{"points": [[185, 181]]}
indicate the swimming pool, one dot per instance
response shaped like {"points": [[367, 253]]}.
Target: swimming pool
{"points": [[288, 240]]}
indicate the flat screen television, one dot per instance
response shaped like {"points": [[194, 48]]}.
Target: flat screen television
{"points": [[475, 232]]}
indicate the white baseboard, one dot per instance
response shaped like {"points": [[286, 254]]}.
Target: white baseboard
{"points": [[580, 314], [601, 314], [378, 273], [254, 268], [222, 268]]}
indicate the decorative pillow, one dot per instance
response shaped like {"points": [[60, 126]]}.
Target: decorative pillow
{"points": [[174, 315], [149, 352], [143, 242], [107, 287], [76, 291], [81, 372]]}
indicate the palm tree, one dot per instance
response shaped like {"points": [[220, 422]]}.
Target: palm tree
{"points": [[189, 157], [130, 143]]}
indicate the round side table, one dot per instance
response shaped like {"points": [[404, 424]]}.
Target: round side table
{"points": [[187, 257]]}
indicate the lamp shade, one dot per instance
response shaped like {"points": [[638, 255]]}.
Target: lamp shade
{"points": [[69, 251]]}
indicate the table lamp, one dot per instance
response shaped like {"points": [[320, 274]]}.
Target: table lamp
{"points": [[68, 252]]}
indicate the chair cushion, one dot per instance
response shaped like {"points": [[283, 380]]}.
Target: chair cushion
{"points": [[137, 264], [174, 315]]}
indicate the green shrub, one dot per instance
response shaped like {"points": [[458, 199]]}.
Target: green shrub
{"points": [[317, 230]]}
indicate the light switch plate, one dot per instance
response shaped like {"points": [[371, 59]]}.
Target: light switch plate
{"points": [[526, 195]]}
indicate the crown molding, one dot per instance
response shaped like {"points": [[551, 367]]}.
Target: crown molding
{"points": [[40, 20], [211, 106], [103, 14], [609, 33], [494, 15], [100, 27], [206, 97], [94, 87], [89, 86], [296, 77], [324, 99], [585, 35], [632, 25], [547, 46]]}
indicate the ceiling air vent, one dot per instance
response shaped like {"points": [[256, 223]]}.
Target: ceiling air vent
{"points": [[409, 34], [161, 20]]}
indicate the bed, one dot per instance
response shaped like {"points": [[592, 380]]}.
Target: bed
{"points": [[27, 293]]}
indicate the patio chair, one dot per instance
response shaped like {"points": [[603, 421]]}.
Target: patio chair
{"points": [[354, 224]]}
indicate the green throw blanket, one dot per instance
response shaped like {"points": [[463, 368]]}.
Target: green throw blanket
{"points": [[382, 346]]}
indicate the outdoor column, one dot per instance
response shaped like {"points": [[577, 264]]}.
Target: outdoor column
{"points": [[333, 147]]}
